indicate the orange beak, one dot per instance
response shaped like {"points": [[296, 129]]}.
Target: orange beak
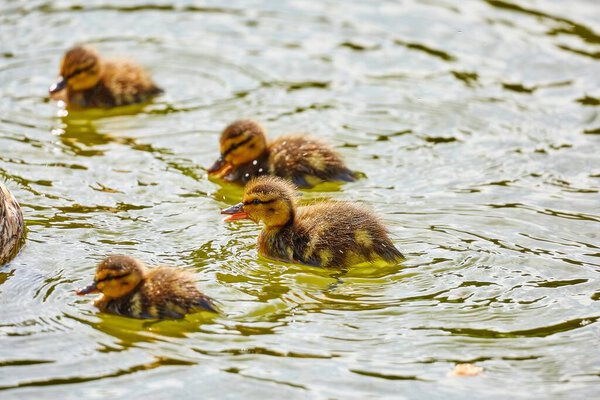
{"points": [[57, 86], [235, 212], [88, 289], [220, 168]]}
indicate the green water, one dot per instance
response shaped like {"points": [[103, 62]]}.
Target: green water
{"points": [[475, 122]]}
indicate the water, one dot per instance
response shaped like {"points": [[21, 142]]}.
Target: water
{"points": [[476, 123]]}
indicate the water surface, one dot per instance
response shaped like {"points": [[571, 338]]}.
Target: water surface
{"points": [[476, 123]]}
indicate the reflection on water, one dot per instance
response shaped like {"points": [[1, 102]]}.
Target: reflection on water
{"points": [[475, 124], [81, 138]]}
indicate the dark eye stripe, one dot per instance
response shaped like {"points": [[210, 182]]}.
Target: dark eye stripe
{"points": [[235, 146], [79, 71], [257, 201]]}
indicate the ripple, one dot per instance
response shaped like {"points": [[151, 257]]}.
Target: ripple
{"points": [[543, 331], [263, 351], [391, 377], [426, 49], [159, 362], [49, 8], [568, 27], [23, 362]]}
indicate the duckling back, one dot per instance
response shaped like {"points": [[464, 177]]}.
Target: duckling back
{"points": [[332, 235], [122, 82], [164, 293], [306, 160], [12, 227]]}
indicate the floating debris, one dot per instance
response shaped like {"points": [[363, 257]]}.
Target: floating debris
{"points": [[466, 370]]}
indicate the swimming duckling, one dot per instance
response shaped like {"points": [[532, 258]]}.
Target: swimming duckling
{"points": [[86, 81], [332, 234], [12, 227], [129, 289], [305, 160]]}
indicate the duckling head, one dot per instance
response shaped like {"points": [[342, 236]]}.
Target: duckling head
{"points": [[80, 69], [116, 276], [268, 199], [241, 142]]}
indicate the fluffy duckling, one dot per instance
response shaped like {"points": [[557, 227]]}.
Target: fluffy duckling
{"points": [[330, 234], [87, 81], [12, 227], [129, 289], [303, 159]]}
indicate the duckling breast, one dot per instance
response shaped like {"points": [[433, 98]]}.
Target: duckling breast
{"points": [[280, 244], [242, 174]]}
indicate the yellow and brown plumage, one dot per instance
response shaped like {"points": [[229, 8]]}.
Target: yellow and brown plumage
{"points": [[332, 234], [12, 227], [88, 81], [303, 159], [128, 288]]}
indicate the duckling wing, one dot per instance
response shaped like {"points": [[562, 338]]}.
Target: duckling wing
{"points": [[304, 159], [341, 234], [172, 293], [11, 225], [176, 308], [127, 82]]}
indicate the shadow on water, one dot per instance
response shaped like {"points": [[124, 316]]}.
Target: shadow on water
{"points": [[130, 331]]}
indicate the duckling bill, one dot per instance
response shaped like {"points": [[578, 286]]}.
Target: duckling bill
{"points": [[303, 159], [88, 81], [130, 289], [12, 227], [331, 234]]}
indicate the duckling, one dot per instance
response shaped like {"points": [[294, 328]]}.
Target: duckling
{"points": [[128, 288], [303, 159], [331, 234], [12, 227], [87, 81]]}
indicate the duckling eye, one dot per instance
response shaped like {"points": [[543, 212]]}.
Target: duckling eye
{"points": [[258, 201], [111, 277]]}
